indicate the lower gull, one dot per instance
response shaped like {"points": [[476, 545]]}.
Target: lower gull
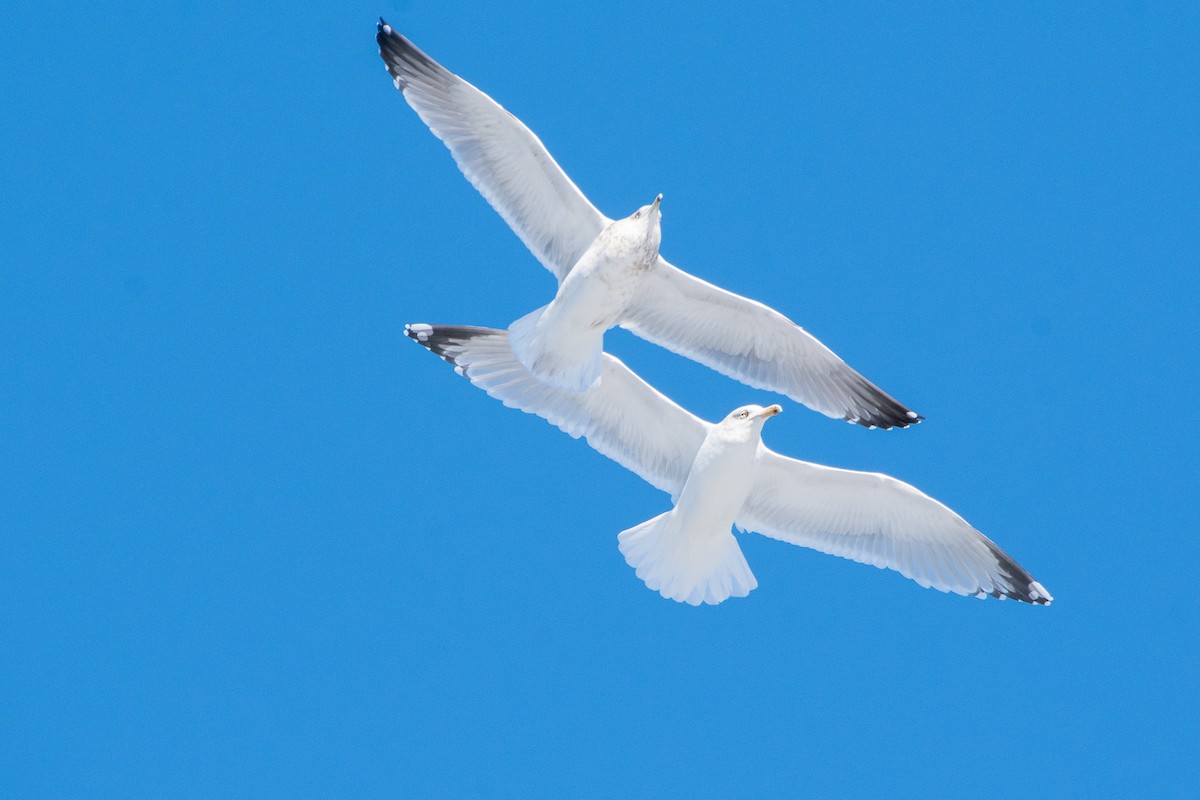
{"points": [[722, 475]]}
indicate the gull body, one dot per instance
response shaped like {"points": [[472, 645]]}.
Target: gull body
{"points": [[721, 476], [561, 342], [598, 287], [689, 554]]}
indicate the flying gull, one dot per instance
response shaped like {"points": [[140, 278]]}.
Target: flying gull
{"points": [[610, 272], [722, 475]]}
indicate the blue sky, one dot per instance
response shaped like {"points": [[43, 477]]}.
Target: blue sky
{"points": [[260, 545]]}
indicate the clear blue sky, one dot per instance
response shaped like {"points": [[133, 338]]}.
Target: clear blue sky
{"points": [[257, 544]]}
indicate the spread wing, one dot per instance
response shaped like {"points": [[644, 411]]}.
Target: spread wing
{"points": [[501, 158], [623, 417], [757, 345], [875, 519]]}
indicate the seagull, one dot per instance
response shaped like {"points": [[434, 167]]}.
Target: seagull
{"points": [[610, 272], [722, 475]]}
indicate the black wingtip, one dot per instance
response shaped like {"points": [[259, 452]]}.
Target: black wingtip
{"points": [[1022, 586], [404, 60], [441, 339], [878, 409], [886, 417], [384, 33]]}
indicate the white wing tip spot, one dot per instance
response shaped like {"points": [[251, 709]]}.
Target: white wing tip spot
{"points": [[420, 330], [1038, 592]]}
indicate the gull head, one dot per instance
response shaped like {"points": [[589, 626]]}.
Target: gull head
{"points": [[641, 232], [747, 421], [649, 214]]}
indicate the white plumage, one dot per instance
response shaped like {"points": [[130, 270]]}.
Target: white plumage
{"points": [[723, 475], [639, 290]]}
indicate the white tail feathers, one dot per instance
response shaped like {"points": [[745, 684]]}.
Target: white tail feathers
{"points": [[686, 568], [563, 356]]}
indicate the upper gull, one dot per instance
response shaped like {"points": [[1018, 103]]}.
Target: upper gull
{"points": [[610, 272]]}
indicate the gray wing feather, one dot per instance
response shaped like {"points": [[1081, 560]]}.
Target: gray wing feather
{"points": [[756, 345], [875, 519], [501, 157], [623, 417]]}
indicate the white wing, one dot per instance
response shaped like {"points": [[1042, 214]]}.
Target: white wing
{"points": [[756, 345], [501, 158], [623, 417], [875, 519]]}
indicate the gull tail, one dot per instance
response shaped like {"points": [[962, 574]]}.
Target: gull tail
{"points": [[684, 567], [564, 357]]}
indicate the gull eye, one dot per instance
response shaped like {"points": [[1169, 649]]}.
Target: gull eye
{"points": [[637, 215], [743, 415]]}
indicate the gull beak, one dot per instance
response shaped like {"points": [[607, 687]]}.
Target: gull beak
{"points": [[771, 411], [657, 201]]}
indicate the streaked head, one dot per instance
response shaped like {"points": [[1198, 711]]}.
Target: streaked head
{"points": [[641, 231], [651, 213]]}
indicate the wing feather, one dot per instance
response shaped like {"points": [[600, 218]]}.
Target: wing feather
{"points": [[501, 157], [875, 519], [757, 345], [623, 417]]}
